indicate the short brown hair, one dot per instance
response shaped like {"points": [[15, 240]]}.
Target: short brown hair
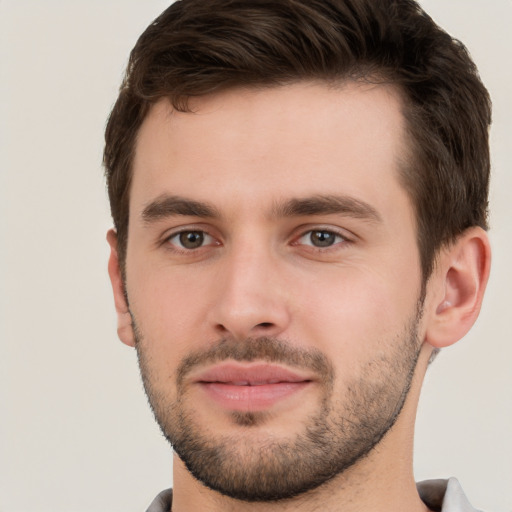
{"points": [[196, 47]]}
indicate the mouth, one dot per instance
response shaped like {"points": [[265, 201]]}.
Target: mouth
{"points": [[250, 387]]}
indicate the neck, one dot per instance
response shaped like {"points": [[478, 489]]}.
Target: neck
{"points": [[381, 482]]}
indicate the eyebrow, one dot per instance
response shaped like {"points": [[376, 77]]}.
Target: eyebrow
{"points": [[327, 205], [169, 206]]}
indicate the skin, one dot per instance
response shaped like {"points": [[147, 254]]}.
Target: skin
{"points": [[242, 153]]}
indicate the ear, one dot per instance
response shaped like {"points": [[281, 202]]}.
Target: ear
{"points": [[458, 286], [124, 319]]}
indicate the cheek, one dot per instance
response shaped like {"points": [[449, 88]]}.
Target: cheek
{"points": [[357, 314], [168, 312]]}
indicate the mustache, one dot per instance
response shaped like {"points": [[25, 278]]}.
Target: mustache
{"points": [[264, 348]]}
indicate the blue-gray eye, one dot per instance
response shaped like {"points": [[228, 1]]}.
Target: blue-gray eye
{"points": [[320, 238]]}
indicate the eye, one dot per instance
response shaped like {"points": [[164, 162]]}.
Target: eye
{"points": [[190, 240], [320, 238]]}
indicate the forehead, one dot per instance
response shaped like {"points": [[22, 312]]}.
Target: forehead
{"points": [[304, 138]]}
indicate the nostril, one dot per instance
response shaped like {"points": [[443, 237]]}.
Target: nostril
{"points": [[265, 324]]}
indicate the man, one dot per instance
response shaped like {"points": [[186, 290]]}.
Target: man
{"points": [[299, 191]]}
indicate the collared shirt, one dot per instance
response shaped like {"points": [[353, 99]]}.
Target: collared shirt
{"points": [[444, 496], [438, 495]]}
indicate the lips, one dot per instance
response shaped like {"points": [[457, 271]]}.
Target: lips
{"points": [[251, 374], [250, 387]]}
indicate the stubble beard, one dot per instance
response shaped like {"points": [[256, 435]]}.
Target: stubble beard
{"points": [[344, 430]]}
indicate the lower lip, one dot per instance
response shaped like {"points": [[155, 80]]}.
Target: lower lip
{"points": [[251, 398]]}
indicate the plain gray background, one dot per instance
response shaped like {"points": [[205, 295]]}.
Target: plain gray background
{"points": [[75, 431]]}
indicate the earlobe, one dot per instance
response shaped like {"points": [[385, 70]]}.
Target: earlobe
{"points": [[124, 319], [459, 283]]}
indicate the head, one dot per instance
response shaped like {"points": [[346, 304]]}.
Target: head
{"points": [[295, 172], [196, 48]]}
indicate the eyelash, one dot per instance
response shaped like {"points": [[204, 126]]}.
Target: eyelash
{"points": [[176, 235], [339, 239]]}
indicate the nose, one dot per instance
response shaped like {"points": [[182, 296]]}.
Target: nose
{"points": [[252, 297]]}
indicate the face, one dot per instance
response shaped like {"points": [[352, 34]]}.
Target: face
{"points": [[273, 281]]}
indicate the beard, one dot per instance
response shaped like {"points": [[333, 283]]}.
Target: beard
{"points": [[345, 427]]}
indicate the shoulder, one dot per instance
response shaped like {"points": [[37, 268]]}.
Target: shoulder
{"points": [[444, 496], [162, 503]]}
